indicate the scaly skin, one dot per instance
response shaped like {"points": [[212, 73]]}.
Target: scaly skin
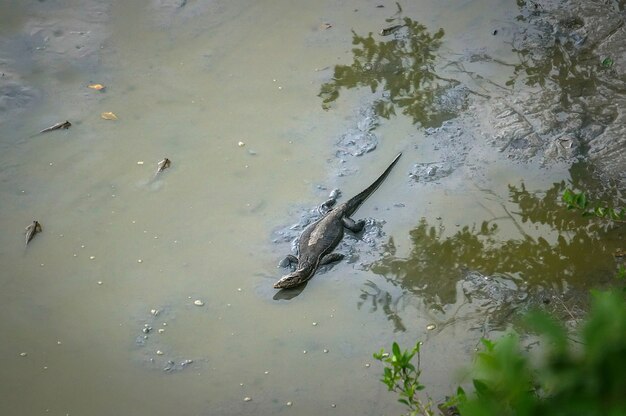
{"points": [[319, 239]]}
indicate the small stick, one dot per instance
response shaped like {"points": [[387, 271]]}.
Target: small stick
{"points": [[63, 125]]}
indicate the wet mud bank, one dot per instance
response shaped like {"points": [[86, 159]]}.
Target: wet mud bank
{"points": [[572, 63], [562, 102]]}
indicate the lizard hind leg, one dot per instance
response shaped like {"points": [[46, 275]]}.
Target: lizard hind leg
{"points": [[331, 258], [354, 226]]}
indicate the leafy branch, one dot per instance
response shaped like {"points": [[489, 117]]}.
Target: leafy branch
{"points": [[580, 202], [402, 377], [582, 379]]}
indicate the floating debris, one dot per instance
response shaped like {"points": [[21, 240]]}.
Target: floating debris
{"points": [[171, 365], [159, 352], [161, 330], [325, 351], [63, 125], [247, 399], [140, 162], [325, 26], [241, 144], [154, 312], [431, 327], [108, 115], [162, 165], [389, 30], [97, 87], [32, 229], [289, 403], [23, 354], [198, 302]]}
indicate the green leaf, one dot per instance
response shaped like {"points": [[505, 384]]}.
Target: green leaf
{"points": [[615, 215], [487, 343], [568, 197], [581, 200], [387, 373], [481, 387], [395, 348], [607, 63]]}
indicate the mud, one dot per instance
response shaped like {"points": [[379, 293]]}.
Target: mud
{"points": [[577, 111]]}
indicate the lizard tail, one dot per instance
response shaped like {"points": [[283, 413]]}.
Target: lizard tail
{"points": [[355, 202]]}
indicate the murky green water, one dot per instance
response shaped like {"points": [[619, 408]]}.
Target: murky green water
{"points": [[98, 313]]}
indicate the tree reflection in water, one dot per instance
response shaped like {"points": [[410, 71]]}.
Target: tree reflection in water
{"points": [[402, 67], [557, 252]]}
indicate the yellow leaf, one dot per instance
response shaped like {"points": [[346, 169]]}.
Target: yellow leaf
{"points": [[97, 87], [107, 115]]}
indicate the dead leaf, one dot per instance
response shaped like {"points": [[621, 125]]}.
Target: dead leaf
{"points": [[108, 115], [97, 87]]}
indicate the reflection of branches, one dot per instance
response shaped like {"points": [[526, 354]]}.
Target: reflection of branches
{"points": [[575, 254], [479, 79], [569, 63], [402, 67], [384, 299]]}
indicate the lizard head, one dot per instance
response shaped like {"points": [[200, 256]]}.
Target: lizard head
{"points": [[293, 279]]}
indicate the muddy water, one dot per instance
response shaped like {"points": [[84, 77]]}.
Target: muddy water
{"points": [[98, 313]]}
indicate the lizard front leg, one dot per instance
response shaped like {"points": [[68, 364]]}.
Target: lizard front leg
{"points": [[288, 261]]}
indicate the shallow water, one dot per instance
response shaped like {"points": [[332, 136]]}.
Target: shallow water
{"points": [[122, 248]]}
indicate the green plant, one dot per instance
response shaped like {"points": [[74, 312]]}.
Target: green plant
{"points": [[621, 272], [401, 376], [579, 201], [585, 377]]}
